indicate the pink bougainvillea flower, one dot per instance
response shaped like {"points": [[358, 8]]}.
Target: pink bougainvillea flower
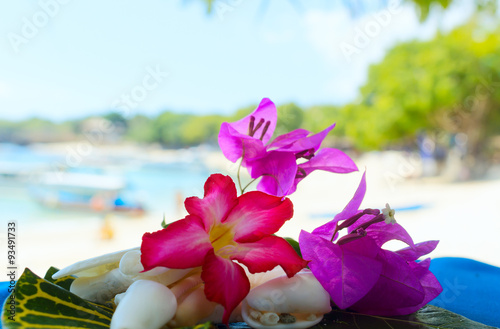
{"points": [[220, 229], [275, 161], [358, 273]]}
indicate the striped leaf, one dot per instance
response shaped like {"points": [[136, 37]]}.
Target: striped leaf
{"points": [[64, 282], [43, 304]]}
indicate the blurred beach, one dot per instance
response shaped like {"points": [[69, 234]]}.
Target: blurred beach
{"points": [[462, 215]]}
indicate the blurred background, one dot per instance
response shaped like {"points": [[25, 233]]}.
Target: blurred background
{"points": [[109, 113]]}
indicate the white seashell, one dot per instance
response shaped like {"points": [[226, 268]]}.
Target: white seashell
{"points": [[93, 266], [101, 278], [145, 305], [300, 300], [191, 308], [102, 288], [256, 279], [118, 298], [130, 265], [218, 312]]}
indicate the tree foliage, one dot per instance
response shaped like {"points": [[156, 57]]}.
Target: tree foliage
{"points": [[451, 83], [35, 130], [290, 117]]}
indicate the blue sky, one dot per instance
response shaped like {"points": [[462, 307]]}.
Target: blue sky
{"points": [[67, 59]]}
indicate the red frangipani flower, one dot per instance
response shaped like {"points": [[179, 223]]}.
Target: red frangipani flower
{"points": [[358, 273], [275, 161], [220, 229]]}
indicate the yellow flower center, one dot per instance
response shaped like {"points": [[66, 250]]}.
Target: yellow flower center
{"points": [[221, 236]]}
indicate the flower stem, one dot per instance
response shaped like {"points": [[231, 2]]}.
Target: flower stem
{"points": [[253, 180], [238, 174], [239, 167]]}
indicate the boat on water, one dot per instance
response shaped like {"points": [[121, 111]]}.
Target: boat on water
{"points": [[84, 192], [13, 173]]}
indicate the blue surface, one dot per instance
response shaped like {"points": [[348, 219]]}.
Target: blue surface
{"points": [[4, 293], [470, 288], [4, 290]]}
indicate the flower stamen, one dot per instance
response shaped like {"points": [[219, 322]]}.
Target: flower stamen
{"points": [[357, 234], [250, 126], [353, 219], [306, 154], [261, 122], [301, 173], [252, 129], [264, 131]]}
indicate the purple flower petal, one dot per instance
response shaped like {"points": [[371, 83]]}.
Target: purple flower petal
{"points": [[352, 207], [432, 287], [346, 275], [332, 160], [326, 159], [365, 247], [234, 144], [326, 230], [285, 140], [278, 170], [382, 232], [398, 287], [306, 143], [418, 250]]}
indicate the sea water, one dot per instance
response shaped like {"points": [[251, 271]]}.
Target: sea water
{"points": [[156, 186]]}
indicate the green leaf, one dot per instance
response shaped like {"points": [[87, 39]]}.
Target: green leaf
{"points": [[206, 325], [295, 245], [163, 224], [64, 282], [40, 303]]}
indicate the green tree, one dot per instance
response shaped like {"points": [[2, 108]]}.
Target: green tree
{"points": [[319, 117], [450, 84], [140, 129], [168, 128], [290, 117], [35, 130], [201, 129], [118, 120]]}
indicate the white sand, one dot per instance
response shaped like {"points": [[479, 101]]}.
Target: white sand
{"points": [[463, 216]]}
